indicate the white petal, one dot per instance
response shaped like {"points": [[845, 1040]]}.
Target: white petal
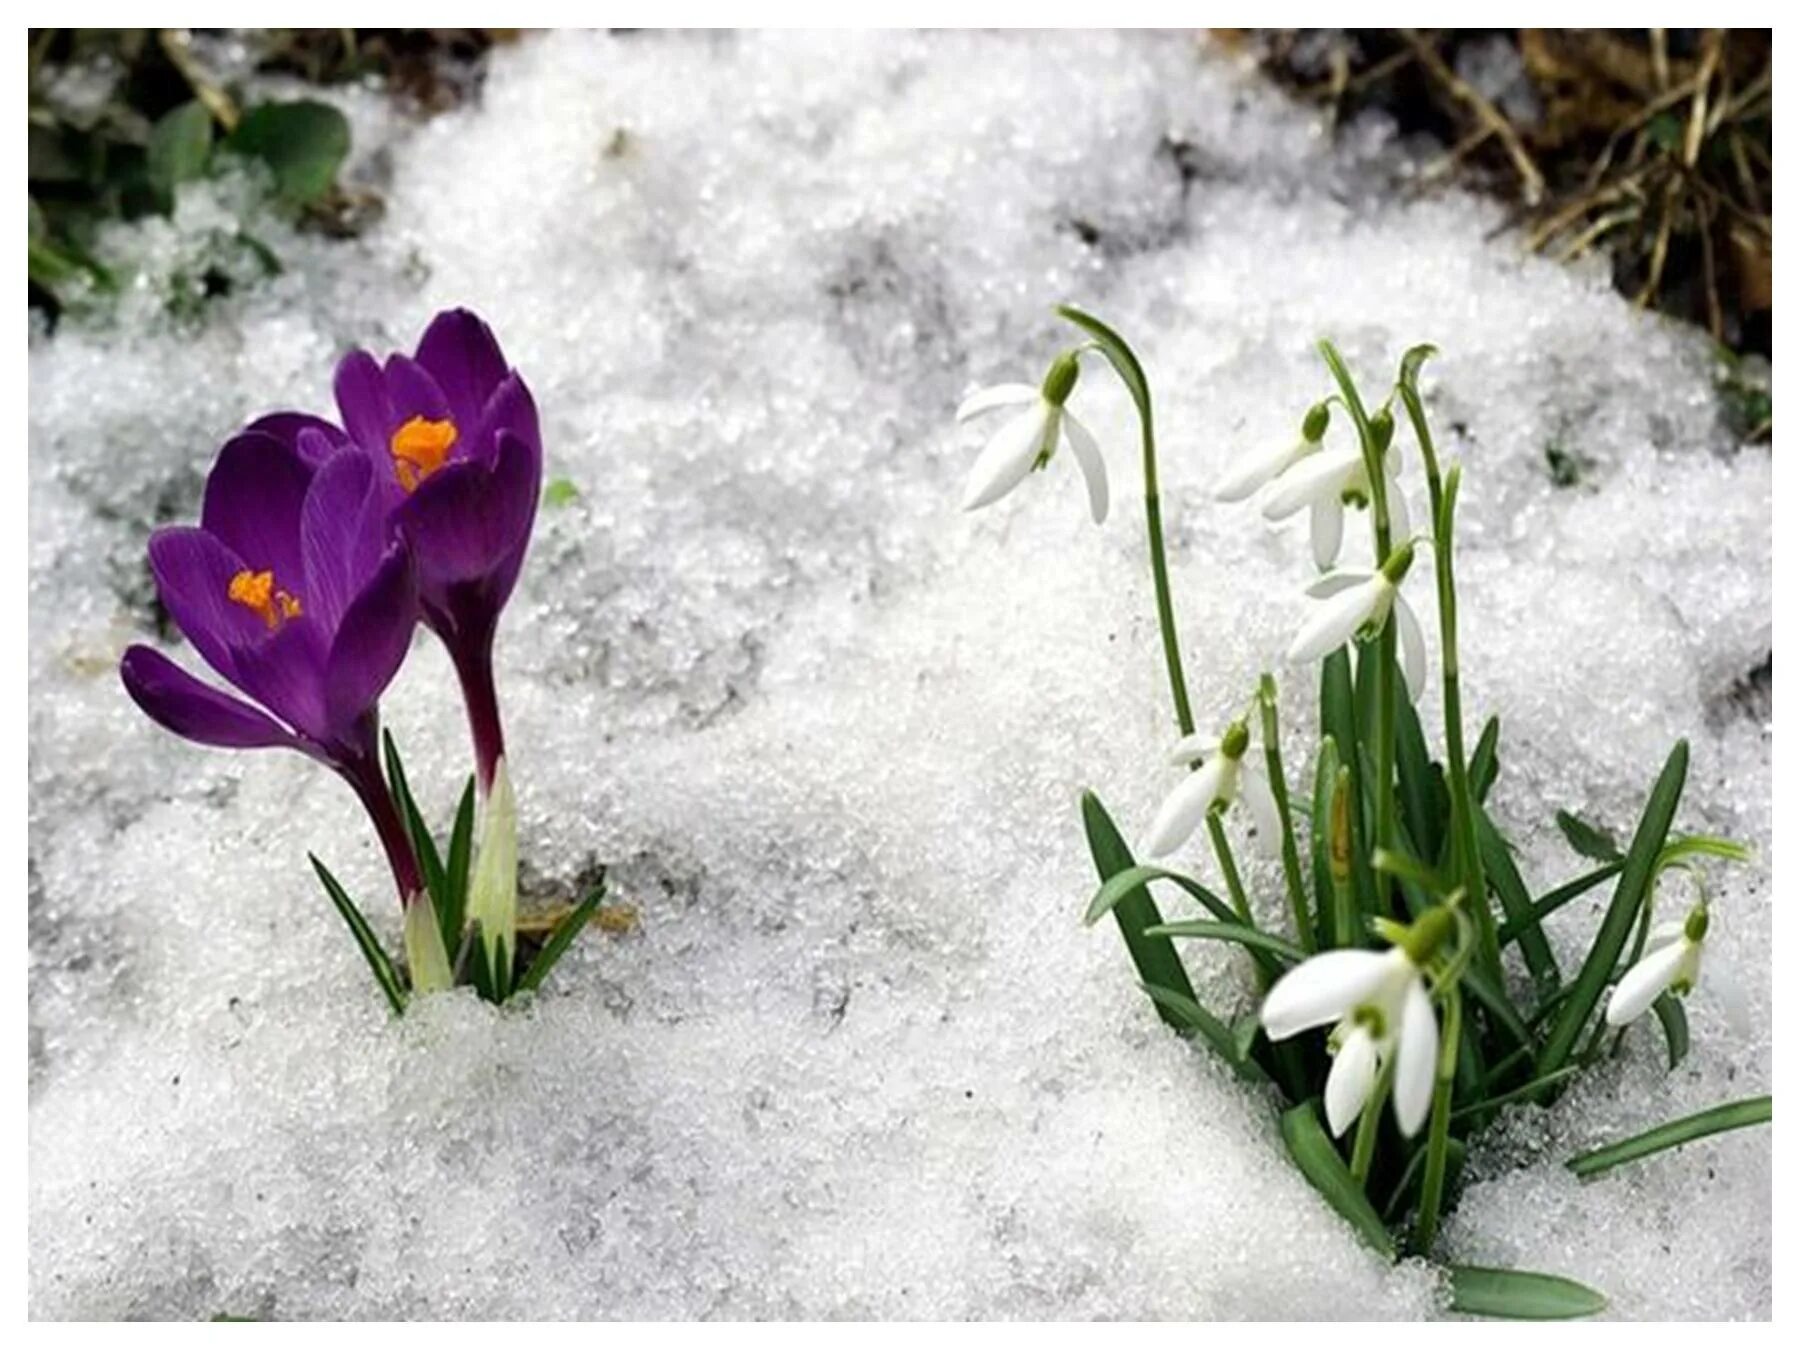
{"points": [[1399, 518], [1252, 471], [1669, 930], [1412, 647], [1689, 970], [1092, 465], [996, 396], [1643, 982], [1335, 621], [1193, 748], [1415, 1062], [1183, 809], [1318, 477], [1341, 579], [1351, 1080], [1327, 531], [1259, 800], [1322, 989], [1007, 457]]}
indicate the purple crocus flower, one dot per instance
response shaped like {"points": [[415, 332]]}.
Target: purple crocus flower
{"points": [[452, 435], [292, 591]]}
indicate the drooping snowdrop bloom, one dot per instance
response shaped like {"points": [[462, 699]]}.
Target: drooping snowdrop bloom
{"points": [[1222, 778], [1028, 438], [1326, 483], [1382, 1013], [1356, 602], [1671, 962], [1253, 471]]}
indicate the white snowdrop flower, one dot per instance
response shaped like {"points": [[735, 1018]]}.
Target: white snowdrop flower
{"points": [[1253, 471], [1357, 602], [1222, 778], [1329, 481], [1027, 440], [1381, 1011], [1671, 962]]}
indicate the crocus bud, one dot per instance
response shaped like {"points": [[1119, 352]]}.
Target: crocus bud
{"points": [[1060, 382], [1318, 417]]}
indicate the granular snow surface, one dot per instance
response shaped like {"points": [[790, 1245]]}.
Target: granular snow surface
{"points": [[858, 1056]]}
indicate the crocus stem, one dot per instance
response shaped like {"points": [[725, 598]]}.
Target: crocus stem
{"points": [[364, 776], [475, 671], [1290, 852], [1368, 1126], [1443, 518], [1437, 1137]]}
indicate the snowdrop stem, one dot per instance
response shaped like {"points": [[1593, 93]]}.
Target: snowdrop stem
{"points": [[1368, 1125], [1437, 1137], [1234, 884], [1131, 374], [1443, 525], [1290, 852]]}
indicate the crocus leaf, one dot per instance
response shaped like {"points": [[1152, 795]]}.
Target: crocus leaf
{"points": [[561, 936], [1515, 902], [1673, 1134], [1484, 764], [1190, 1019], [180, 144], [1590, 841], [1523, 1295], [1673, 1018], [1157, 961], [424, 847], [1253, 940], [302, 142], [456, 868], [1322, 1165], [1621, 914], [380, 963]]}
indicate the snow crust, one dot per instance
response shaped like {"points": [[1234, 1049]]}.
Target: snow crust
{"points": [[857, 1057]]}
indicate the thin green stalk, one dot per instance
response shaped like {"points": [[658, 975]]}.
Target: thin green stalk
{"points": [[1234, 885], [1437, 1137], [1290, 852], [1443, 520], [1362, 1155]]}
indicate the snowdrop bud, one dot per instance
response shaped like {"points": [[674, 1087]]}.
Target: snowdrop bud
{"points": [[1060, 382], [1398, 563], [1235, 741], [1318, 417], [1381, 429]]}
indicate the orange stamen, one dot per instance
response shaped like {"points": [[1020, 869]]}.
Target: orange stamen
{"points": [[256, 591], [420, 448]]}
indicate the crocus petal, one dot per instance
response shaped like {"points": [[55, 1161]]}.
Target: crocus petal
{"points": [[1088, 458], [461, 354], [1007, 457], [312, 438], [1415, 1062], [996, 396], [1335, 621], [509, 409], [466, 519], [342, 535], [1194, 747], [1259, 800], [370, 644], [1322, 989], [285, 672], [1252, 471], [1184, 808], [177, 701], [1643, 982], [252, 505], [1319, 477], [1340, 579], [412, 392], [193, 573], [1327, 531], [362, 399], [1412, 647], [1351, 1080]]}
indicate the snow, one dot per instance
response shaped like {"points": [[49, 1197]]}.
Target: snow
{"points": [[857, 1057]]}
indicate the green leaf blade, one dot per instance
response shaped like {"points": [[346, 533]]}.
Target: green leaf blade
{"points": [[1672, 1134], [381, 965], [1321, 1164], [180, 146], [1156, 960], [1521, 1295], [561, 937], [303, 143]]}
